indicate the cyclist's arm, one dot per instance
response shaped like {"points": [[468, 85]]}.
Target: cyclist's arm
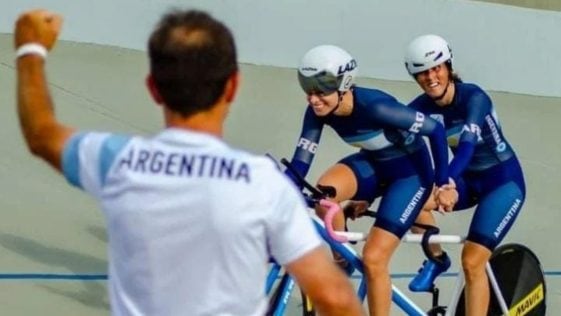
{"points": [[402, 117], [325, 284], [307, 144], [477, 107], [44, 135]]}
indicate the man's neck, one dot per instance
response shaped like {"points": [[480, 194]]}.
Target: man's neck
{"points": [[209, 122]]}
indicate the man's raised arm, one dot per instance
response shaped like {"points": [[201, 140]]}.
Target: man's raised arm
{"points": [[34, 35]]}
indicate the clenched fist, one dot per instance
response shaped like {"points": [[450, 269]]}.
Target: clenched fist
{"points": [[37, 26]]}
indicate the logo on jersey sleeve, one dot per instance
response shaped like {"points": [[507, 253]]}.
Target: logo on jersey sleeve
{"points": [[419, 120], [307, 145], [438, 117], [473, 128], [500, 144]]}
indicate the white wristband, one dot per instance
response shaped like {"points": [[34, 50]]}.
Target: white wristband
{"points": [[31, 49]]}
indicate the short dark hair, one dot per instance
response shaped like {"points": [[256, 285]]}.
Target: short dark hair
{"points": [[192, 55], [454, 76]]}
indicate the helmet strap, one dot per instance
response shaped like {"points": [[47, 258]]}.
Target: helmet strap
{"points": [[440, 97], [340, 94]]}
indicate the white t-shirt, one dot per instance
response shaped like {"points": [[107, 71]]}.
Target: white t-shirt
{"points": [[191, 221]]}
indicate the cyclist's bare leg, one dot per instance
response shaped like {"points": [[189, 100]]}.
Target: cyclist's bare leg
{"points": [[474, 259], [377, 253], [342, 178]]}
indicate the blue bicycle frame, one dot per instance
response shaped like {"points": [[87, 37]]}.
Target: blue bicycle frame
{"points": [[350, 255], [286, 285]]}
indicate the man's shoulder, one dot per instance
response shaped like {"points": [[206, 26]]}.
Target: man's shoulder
{"points": [[96, 141], [233, 151], [262, 163], [264, 167]]}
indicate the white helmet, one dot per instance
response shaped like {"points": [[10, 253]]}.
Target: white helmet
{"points": [[326, 69], [425, 52]]}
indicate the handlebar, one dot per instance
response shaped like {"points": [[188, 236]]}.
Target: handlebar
{"points": [[316, 193], [430, 236], [342, 237]]}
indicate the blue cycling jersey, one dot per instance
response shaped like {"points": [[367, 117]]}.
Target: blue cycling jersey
{"points": [[381, 126], [393, 161], [485, 167], [472, 128]]}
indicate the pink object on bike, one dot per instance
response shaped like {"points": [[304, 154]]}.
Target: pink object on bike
{"points": [[332, 209]]}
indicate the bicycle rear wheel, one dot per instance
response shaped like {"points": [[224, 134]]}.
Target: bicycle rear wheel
{"points": [[521, 280]]}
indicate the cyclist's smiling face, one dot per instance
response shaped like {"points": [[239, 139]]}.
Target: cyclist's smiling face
{"points": [[323, 103], [434, 80]]}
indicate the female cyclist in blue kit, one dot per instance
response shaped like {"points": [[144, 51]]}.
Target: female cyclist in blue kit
{"points": [[485, 169], [393, 161]]}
